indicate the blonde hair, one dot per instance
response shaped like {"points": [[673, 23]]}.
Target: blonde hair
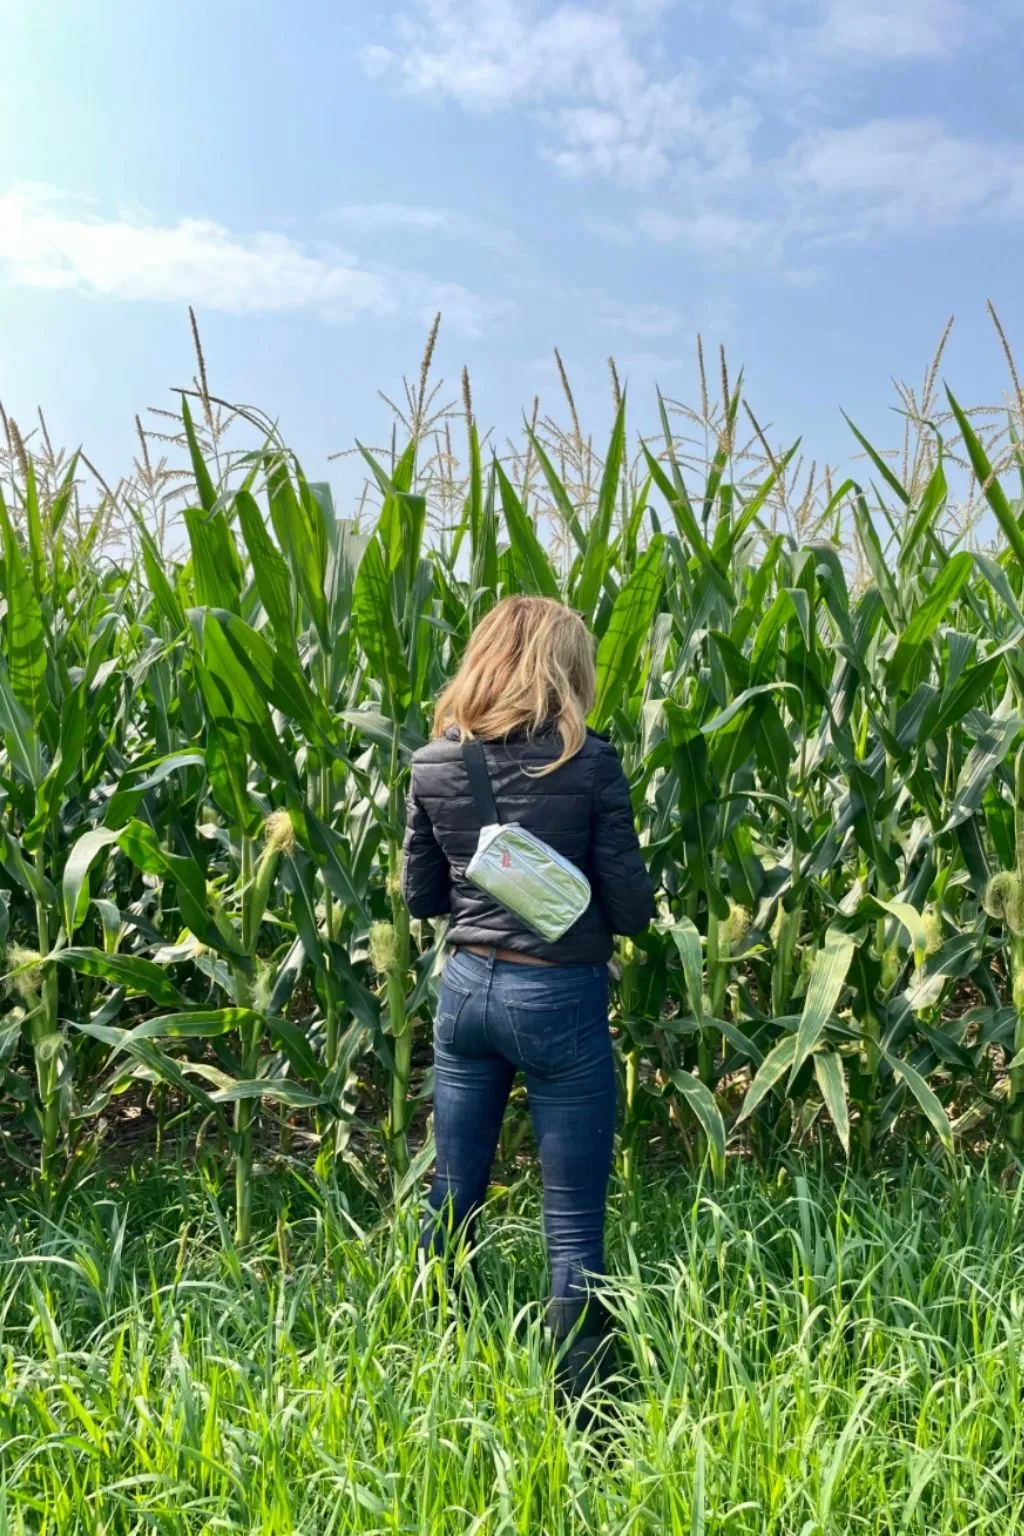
{"points": [[530, 661]]}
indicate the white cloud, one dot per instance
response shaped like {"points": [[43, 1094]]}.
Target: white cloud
{"points": [[728, 236], [414, 219], [594, 74], [900, 176], [376, 60], [653, 126], [489, 54], [890, 31], [759, 175], [713, 231], [641, 320], [648, 365], [583, 70], [802, 36], [372, 218], [886, 177], [48, 240]]}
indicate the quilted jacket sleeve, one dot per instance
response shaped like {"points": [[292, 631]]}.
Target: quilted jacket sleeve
{"points": [[622, 885], [426, 876]]}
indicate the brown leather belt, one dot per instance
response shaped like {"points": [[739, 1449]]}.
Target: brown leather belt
{"points": [[510, 956]]}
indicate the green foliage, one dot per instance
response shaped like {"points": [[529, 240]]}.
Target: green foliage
{"points": [[819, 737], [790, 1360]]}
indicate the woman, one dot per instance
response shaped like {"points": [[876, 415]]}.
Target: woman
{"points": [[511, 1001]]}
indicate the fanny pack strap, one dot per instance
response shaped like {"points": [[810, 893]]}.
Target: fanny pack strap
{"points": [[480, 783]]}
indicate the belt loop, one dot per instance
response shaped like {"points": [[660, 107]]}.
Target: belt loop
{"points": [[492, 955]]}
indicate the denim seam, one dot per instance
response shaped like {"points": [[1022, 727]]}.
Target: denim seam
{"points": [[463, 994]]}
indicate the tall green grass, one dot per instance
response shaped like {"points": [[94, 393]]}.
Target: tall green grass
{"points": [[797, 1358]]}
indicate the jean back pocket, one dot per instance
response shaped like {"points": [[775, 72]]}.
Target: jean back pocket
{"points": [[545, 1034]]}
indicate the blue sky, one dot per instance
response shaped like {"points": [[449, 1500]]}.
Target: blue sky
{"points": [[819, 184]]}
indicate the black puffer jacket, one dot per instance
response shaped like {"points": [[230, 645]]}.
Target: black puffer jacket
{"points": [[582, 809]]}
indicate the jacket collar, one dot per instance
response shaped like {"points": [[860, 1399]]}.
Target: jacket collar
{"points": [[521, 733]]}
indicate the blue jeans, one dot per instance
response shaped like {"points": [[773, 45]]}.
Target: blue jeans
{"points": [[551, 1022]]}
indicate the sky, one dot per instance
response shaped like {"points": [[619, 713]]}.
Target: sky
{"points": [[817, 184]]}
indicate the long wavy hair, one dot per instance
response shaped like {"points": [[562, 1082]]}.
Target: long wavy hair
{"points": [[529, 663]]}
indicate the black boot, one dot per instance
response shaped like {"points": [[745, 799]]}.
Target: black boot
{"points": [[582, 1337]]}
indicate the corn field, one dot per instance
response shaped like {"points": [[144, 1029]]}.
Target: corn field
{"points": [[817, 690]]}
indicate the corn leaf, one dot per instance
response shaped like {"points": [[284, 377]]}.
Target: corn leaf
{"points": [[204, 485], [276, 675], [214, 560], [19, 734], [628, 629], [152, 1064], [994, 494], [26, 632], [301, 533], [740, 702], [131, 972], [925, 1097], [701, 1101], [679, 504], [924, 520], [595, 558], [828, 1069], [139, 843], [73, 726], [162, 592], [270, 571], [988, 752], [559, 494], [227, 764], [196, 1024], [378, 633], [828, 973], [75, 888], [235, 695], [876, 458], [929, 615], [134, 785], [279, 1090], [687, 942], [533, 568], [771, 1071]]}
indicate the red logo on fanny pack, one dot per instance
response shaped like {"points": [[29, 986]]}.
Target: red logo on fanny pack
{"points": [[506, 861]]}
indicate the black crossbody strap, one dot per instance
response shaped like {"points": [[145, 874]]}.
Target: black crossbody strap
{"points": [[480, 783]]}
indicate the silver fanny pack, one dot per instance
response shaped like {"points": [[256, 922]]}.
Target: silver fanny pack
{"points": [[522, 872]]}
